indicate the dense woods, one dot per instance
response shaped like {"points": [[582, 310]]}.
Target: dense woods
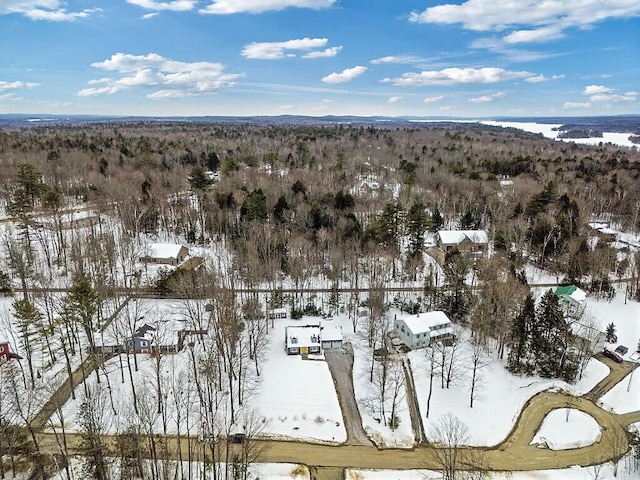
{"points": [[344, 205]]}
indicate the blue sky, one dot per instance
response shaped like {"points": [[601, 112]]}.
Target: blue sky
{"points": [[473, 58]]}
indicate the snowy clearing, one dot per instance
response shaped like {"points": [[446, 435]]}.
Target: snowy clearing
{"points": [[567, 428]]}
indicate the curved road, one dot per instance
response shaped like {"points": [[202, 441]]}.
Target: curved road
{"points": [[514, 453]]}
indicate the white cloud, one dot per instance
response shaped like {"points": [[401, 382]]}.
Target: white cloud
{"points": [[500, 47], [600, 93], [174, 5], [147, 16], [487, 98], [596, 89], [394, 99], [346, 75], [8, 96], [327, 52], [576, 105], [543, 34], [548, 19], [457, 76], [537, 79], [279, 50], [15, 85], [615, 97], [175, 79], [542, 78], [221, 7], [433, 99], [47, 10], [401, 59]]}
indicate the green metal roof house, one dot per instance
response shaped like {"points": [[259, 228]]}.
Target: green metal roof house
{"points": [[571, 299]]}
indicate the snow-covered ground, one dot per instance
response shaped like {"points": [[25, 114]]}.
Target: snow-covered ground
{"points": [[296, 396], [625, 396], [566, 428], [500, 395], [547, 130], [198, 471], [604, 472], [625, 317]]}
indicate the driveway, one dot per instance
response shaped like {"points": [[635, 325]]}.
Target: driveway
{"points": [[340, 361]]}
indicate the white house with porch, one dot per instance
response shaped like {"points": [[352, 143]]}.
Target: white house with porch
{"points": [[421, 329], [312, 339], [302, 339]]}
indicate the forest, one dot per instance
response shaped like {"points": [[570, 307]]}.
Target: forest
{"points": [[349, 208]]}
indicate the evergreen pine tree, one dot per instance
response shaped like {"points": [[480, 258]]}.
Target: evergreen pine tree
{"points": [[610, 333], [28, 319], [416, 226], [518, 360]]}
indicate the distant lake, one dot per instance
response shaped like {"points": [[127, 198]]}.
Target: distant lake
{"points": [[547, 130]]}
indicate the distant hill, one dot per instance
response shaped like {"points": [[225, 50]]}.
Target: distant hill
{"points": [[619, 123]]}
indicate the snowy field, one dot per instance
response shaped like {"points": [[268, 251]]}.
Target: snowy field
{"points": [[604, 472], [566, 428], [501, 395]]}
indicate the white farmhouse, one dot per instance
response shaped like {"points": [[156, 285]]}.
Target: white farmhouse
{"points": [[302, 339], [313, 338], [417, 331]]}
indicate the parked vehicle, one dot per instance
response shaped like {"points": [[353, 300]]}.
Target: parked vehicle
{"points": [[613, 355], [622, 350]]}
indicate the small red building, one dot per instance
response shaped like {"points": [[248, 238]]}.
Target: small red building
{"points": [[5, 353]]}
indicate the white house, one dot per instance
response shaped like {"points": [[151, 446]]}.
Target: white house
{"points": [[475, 241], [419, 330], [165, 253], [313, 338], [302, 339]]}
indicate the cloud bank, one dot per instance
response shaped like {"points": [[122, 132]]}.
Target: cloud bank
{"points": [[527, 20], [456, 76], [47, 10], [280, 50], [167, 78]]}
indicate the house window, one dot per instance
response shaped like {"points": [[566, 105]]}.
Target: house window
{"points": [[294, 340]]}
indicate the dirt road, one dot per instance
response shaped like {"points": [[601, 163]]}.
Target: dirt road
{"points": [[617, 372], [514, 453]]}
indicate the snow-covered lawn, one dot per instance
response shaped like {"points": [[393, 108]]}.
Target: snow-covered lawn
{"points": [[567, 428], [257, 471], [377, 430], [297, 396], [501, 395], [625, 317], [625, 396], [605, 472]]}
